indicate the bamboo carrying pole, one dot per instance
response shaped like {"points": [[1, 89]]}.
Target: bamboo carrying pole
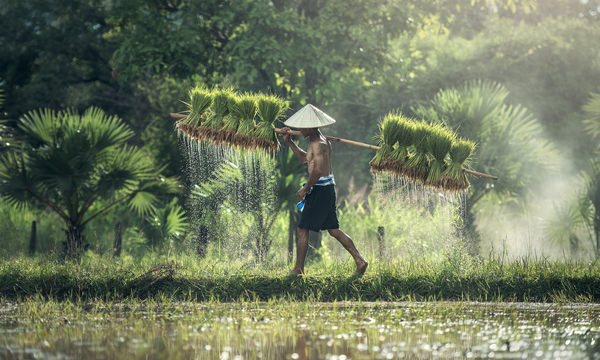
{"points": [[355, 143]]}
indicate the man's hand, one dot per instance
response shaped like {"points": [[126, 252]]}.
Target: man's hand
{"points": [[301, 193], [286, 136]]}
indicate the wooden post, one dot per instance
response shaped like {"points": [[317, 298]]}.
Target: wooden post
{"points": [[118, 240], [32, 239], [202, 241], [315, 240], [380, 237], [291, 237]]}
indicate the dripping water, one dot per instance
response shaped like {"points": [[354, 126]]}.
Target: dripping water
{"points": [[230, 190], [428, 221]]}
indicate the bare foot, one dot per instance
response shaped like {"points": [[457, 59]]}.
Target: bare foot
{"points": [[361, 267], [296, 272]]}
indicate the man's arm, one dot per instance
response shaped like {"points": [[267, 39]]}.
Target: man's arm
{"points": [[300, 154], [317, 170]]}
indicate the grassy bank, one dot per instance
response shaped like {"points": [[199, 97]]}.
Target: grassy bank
{"points": [[190, 279]]}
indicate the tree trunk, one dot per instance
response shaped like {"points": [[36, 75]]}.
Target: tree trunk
{"points": [[314, 244], [467, 231], [202, 241], [32, 239], [381, 237], [75, 239], [596, 224], [292, 234], [597, 245], [263, 246], [118, 240], [574, 242]]}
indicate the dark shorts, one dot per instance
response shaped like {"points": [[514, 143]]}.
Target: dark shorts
{"points": [[320, 210]]}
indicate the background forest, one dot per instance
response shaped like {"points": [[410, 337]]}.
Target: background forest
{"points": [[521, 78]]}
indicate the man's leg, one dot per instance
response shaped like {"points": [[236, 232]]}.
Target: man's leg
{"points": [[301, 251], [348, 244]]}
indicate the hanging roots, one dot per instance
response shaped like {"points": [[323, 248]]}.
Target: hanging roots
{"points": [[190, 131], [244, 141], [454, 177], [413, 173], [264, 144], [378, 162], [452, 185]]}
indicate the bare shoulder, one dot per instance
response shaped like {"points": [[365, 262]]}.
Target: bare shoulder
{"points": [[319, 147]]}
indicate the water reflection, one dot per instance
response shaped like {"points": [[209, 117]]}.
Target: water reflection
{"points": [[301, 331]]}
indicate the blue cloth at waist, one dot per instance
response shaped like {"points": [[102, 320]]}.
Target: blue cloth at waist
{"points": [[323, 181]]}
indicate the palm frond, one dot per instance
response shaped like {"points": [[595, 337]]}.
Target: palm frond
{"points": [[44, 126], [565, 221], [143, 202], [169, 219], [592, 110], [16, 183], [103, 131]]}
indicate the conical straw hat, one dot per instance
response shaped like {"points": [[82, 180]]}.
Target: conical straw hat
{"points": [[309, 117]]}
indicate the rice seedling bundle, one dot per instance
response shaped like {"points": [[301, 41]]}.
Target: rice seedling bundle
{"points": [[220, 109], [415, 167], [200, 101], [403, 142], [439, 144], [416, 150], [245, 109], [454, 178], [388, 128], [232, 121], [270, 108]]}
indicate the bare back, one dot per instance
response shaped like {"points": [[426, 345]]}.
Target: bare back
{"points": [[319, 152]]}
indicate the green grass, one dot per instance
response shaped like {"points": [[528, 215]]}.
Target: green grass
{"points": [[184, 277]]}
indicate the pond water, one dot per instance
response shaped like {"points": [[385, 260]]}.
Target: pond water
{"points": [[280, 330]]}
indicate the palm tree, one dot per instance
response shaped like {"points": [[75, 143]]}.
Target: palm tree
{"points": [[591, 203], [592, 179], [565, 224], [80, 167], [592, 110], [509, 139], [583, 210]]}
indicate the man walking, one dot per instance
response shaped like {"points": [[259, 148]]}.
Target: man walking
{"points": [[318, 194]]}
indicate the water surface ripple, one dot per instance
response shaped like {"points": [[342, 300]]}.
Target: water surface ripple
{"points": [[281, 330]]}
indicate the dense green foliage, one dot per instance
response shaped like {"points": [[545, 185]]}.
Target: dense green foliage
{"points": [[356, 60]]}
